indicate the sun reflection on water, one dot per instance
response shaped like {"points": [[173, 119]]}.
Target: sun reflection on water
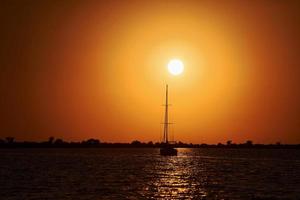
{"points": [[174, 178]]}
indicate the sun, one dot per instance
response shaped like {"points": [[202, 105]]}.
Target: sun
{"points": [[175, 67]]}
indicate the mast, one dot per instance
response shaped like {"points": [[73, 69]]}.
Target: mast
{"points": [[166, 122]]}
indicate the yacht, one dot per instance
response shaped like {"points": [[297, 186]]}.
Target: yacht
{"points": [[167, 149]]}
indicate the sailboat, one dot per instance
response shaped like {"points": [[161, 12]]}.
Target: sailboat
{"points": [[167, 148]]}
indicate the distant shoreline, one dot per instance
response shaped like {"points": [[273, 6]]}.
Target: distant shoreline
{"points": [[214, 147], [10, 142]]}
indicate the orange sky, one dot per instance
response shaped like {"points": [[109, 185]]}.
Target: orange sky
{"points": [[85, 69]]}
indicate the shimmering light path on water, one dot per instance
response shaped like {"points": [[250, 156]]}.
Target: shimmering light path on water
{"points": [[144, 174]]}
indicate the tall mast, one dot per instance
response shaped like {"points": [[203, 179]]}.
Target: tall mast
{"points": [[166, 123]]}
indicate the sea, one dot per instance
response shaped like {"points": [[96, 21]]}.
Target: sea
{"points": [[141, 173]]}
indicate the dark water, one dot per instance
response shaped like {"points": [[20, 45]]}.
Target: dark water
{"points": [[144, 174]]}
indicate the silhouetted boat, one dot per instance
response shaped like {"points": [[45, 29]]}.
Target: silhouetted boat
{"points": [[167, 149]]}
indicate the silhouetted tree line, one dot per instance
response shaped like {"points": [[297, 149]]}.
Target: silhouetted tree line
{"points": [[10, 142]]}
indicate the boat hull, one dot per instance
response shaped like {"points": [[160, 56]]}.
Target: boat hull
{"points": [[168, 151]]}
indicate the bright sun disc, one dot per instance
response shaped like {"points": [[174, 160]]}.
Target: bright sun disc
{"points": [[175, 67]]}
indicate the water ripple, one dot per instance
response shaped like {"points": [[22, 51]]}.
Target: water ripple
{"points": [[144, 174]]}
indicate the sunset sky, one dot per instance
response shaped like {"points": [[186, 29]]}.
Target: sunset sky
{"points": [[98, 69]]}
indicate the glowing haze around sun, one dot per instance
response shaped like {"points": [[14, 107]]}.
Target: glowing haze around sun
{"points": [[175, 67]]}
